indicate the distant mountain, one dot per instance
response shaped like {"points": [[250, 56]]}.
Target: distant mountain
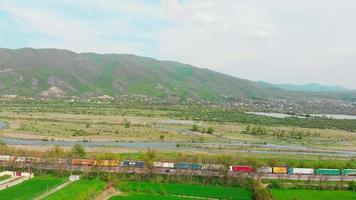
{"points": [[312, 87], [58, 73], [55, 72]]}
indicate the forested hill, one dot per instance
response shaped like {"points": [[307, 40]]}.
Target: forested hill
{"points": [[55, 72]]}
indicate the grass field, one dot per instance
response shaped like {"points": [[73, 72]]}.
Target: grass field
{"points": [[150, 197], [4, 177], [30, 188], [80, 190], [282, 194], [186, 190]]}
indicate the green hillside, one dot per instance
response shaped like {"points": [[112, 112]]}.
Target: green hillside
{"points": [[53, 72]]}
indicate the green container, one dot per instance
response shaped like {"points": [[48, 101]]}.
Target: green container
{"points": [[348, 172], [327, 172]]}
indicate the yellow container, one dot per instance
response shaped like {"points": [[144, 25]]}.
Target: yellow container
{"points": [[280, 170]]}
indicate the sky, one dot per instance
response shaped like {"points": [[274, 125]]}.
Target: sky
{"points": [[280, 41]]}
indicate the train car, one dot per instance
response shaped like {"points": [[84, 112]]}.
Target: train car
{"points": [[163, 165], [34, 160], [83, 162], [266, 170], [20, 159], [240, 168], [334, 172], [130, 163], [192, 166], [108, 163], [213, 167], [348, 172], [6, 158], [303, 171], [280, 170]]}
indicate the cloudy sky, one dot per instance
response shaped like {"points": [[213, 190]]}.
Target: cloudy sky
{"points": [[282, 41]]}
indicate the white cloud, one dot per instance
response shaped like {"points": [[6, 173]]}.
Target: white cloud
{"points": [[295, 41]]}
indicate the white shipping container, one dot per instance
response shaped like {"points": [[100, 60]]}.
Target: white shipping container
{"points": [[20, 159], [163, 164], [302, 171], [265, 170], [5, 158], [212, 167]]}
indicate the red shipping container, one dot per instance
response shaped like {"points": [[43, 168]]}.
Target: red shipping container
{"points": [[238, 168]]}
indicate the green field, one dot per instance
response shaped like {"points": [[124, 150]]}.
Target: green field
{"points": [[219, 192], [283, 194], [30, 188], [80, 190], [150, 197], [4, 177]]}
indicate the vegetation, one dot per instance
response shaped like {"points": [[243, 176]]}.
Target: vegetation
{"points": [[79, 190], [283, 194], [30, 188], [4, 177], [78, 151], [187, 190]]}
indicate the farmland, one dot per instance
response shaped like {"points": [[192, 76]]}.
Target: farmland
{"points": [[139, 190], [79, 190], [30, 188], [4, 177], [291, 194]]}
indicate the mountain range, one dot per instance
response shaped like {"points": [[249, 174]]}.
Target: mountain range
{"points": [[310, 87], [56, 73]]}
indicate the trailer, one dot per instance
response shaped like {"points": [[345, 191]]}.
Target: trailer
{"points": [[302, 171], [163, 165], [192, 166], [240, 168], [333, 172], [280, 170]]}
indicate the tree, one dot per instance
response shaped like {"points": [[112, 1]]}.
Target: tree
{"points": [[195, 128], [127, 124], [210, 130], [161, 137], [3, 146], [78, 151], [56, 152]]}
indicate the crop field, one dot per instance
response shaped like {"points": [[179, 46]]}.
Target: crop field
{"points": [[283, 194], [79, 190], [56, 126], [4, 177], [30, 188], [150, 197], [136, 190]]}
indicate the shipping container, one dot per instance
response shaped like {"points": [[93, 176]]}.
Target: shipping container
{"points": [[83, 162], [335, 172], [20, 159], [266, 170], [213, 167], [108, 163], [130, 163], [348, 172], [239, 168], [306, 171], [280, 170], [6, 158], [193, 166], [163, 164]]}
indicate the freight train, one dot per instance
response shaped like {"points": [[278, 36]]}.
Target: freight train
{"points": [[171, 167]]}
